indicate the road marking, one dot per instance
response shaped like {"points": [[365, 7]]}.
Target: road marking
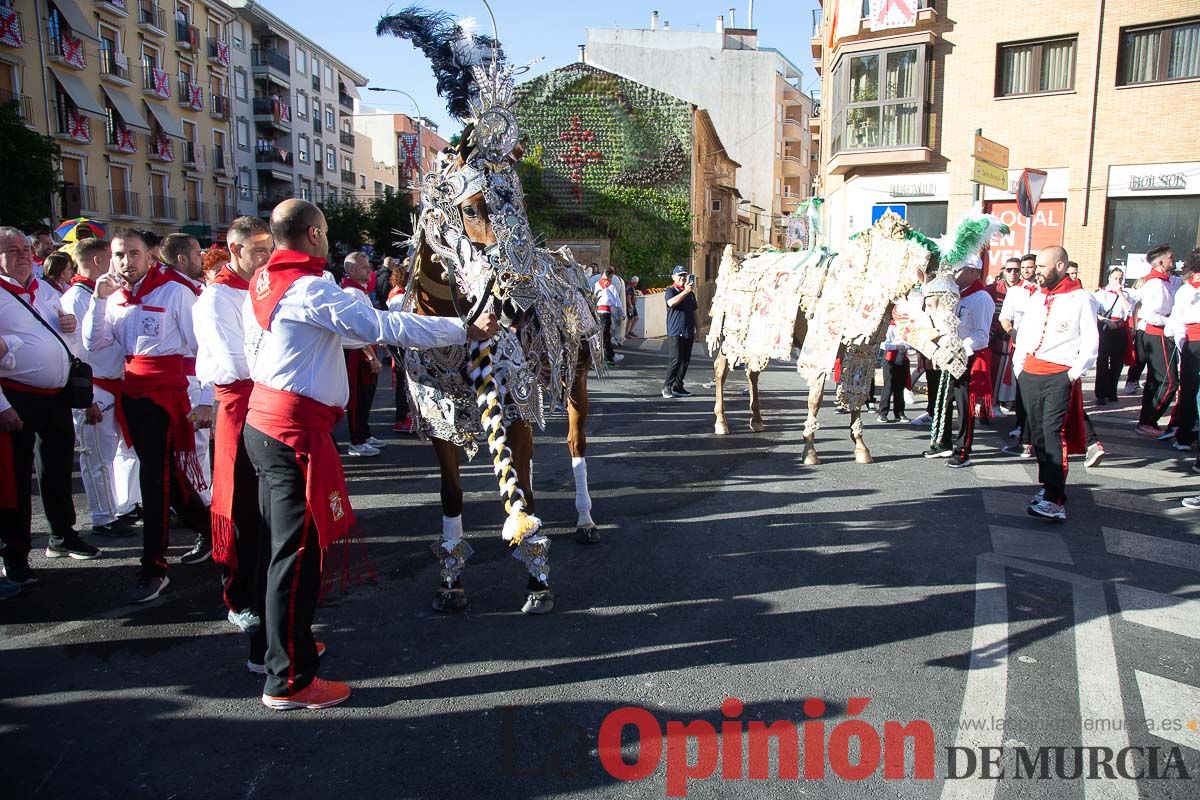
{"points": [[986, 691], [1125, 501], [1152, 548], [1165, 700], [1039, 545], [1010, 504], [1160, 611], [1138, 474], [1001, 472]]}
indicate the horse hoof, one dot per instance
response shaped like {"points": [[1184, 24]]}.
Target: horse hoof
{"points": [[539, 602], [863, 456], [721, 429], [449, 601], [811, 459], [757, 426], [587, 535]]}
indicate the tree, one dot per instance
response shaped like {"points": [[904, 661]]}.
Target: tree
{"points": [[391, 223], [349, 222], [28, 160]]}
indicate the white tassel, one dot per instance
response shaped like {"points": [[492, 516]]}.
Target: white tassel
{"points": [[583, 500]]}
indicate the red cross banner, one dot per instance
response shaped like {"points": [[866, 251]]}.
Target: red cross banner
{"points": [[10, 28], [163, 148], [126, 141], [223, 53], [893, 14], [576, 157], [79, 127], [162, 83], [196, 97], [72, 50], [408, 148]]}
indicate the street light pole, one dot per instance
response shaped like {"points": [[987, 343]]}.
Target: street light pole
{"points": [[416, 123]]}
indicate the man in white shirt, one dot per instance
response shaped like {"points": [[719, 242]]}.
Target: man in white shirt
{"points": [[1056, 346], [1183, 328], [610, 303], [975, 311], [295, 323], [237, 530], [362, 365], [1116, 307], [1011, 312], [33, 374], [1156, 350], [149, 321], [107, 461]]}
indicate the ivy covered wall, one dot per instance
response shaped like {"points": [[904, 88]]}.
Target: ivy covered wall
{"points": [[611, 158]]}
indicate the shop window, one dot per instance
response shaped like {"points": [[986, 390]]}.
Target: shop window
{"points": [[1036, 67], [1159, 54], [1135, 224], [928, 218]]}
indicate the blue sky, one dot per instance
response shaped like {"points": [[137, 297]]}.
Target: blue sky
{"points": [[529, 29]]}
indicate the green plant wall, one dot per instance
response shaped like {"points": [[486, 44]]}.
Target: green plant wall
{"points": [[609, 158]]}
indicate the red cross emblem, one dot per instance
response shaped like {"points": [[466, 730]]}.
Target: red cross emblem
{"points": [[162, 83], [408, 144], [223, 53], [196, 97], [10, 28], [163, 148], [577, 157], [78, 127], [126, 141], [72, 49], [904, 11]]}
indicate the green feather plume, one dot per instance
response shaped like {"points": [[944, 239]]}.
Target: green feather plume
{"points": [[968, 238]]}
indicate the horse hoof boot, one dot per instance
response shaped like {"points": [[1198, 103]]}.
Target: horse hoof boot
{"points": [[863, 456], [811, 459], [449, 601], [721, 429], [587, 535], [757, 425], [539, 602]]}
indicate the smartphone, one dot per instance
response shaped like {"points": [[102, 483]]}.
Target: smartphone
{"points": [[691, 280]]}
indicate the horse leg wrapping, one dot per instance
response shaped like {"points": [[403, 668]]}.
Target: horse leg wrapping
{"points": [[583, 500], [453, 550]]}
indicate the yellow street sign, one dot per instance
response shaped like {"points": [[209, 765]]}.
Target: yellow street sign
{"points": [[991, 152], [989, 175]]}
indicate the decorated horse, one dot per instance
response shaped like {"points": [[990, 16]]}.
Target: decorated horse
{"points": [[472, 250], [833, 309]]}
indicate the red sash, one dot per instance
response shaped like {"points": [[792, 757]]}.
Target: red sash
{"points": [[1036, 366], [233, 402], [16, 290], [980, 384], [1154, 330], [1193, 332], [116, 387], [271, 280], [306, 425], [17, 386], [162, 380]]}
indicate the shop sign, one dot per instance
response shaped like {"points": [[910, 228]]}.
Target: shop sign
{"points": [[913, 190], [1149, 183]]}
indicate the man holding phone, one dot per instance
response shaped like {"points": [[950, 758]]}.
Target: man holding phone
{"points": [[681, 330]]}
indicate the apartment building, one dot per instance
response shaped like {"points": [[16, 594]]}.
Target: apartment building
{"points": [[408, 145], [375, 178], [1100, 96], [136, 95], [293, 114], [752, 92]]}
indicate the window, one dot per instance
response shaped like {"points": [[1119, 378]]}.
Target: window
{"points": [[316, 70], [1036, 67], [347, 165], [1159, 54], [878, 100], [329, 76], [928, 218], [716, 205], [378, 188], [330, 158], [301, 61], [1133, 224], [243, 133], [362, 181], [301, 105], [303, 149], [305, 190], [244, 184], [237, 32], [328, 117], [240, 85]]}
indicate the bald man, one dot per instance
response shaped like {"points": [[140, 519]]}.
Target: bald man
{"points": [[1056, 346], [295, 322]]}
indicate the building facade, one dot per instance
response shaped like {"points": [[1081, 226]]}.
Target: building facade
{"points": [[751, 92], [137, 97], [406, 145], [293, 114], [1099, 96]]}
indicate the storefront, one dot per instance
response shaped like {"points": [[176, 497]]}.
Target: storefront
{"points": [[1150, 204], [1048, 221], [925, 197]]}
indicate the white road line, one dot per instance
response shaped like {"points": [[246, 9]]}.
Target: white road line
{"points": [[1152, 548], [1171, 702], [1139, 474], [1039, 545], [1162, 612], [1010, 504], [1004, 472], [1125, 501], [986, 692]]}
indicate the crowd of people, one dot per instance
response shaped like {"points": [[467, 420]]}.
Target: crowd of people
{"points": [[205, 385]]}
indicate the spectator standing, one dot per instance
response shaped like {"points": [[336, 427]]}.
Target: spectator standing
{"points": [[1113, 317], [42, 245], [895, 377], [1155, 349], [57, 271], [362, 365], [1183, 327], [610, 304], [681, 303], [1011, 314], [395, 302], [631, 312]]}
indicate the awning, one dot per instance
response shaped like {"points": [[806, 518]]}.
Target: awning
{"points": [[79, 92], [127, 109], [170, 126], [76, 21]]}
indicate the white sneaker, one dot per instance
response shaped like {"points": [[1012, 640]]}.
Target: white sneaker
{"points": [[371, 440], [1014, 433], [618, 357], [1044, 509], [1039, 497], [666, 393], [1095, 454], [1027, 451], [1132, 388], [363, 449], [998, 412], [923, 421]]}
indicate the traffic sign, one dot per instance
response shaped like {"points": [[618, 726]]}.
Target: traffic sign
{"points": [[879, 209], [989, 174], [991, 152], [1029, 190]]}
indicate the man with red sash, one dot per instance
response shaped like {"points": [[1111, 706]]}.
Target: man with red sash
{"points": [[1183, 327], [149, 321], [1157, 351], [33, 374], [106, 459], [362, 365], [1116, 308], [237, 536], [1056, 346], [975, 312], [610, 303], [1011, 312], [1004, 385], [295, 324]]}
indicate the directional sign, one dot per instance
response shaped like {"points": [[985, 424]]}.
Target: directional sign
{"points": [[991, 152], [879, 209], [989, 174]]}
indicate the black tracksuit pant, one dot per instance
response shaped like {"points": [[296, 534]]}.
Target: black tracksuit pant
{"points": [[681, 356], [606, 321], [1139, 366], [933, 379], [895, 379], [163, 484], [47, 434], [399, 383], [1189, 384], [1162, 376], [1109, 362], [244, 585], [363, 383], [1046, 398], [964, 437], [293, 567]]}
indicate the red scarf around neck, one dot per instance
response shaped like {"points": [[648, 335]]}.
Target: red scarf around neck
{"points": [[976, 286], [273, 279], [604, 283], [157, 276], [17, 290], [1194, 280], [1156, 275], [1062, 287], [351, 284], [225, 276], [88, 282]]}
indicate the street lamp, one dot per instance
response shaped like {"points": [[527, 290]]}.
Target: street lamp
{"points": [[416, 124]]}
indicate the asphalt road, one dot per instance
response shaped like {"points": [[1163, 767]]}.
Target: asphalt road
{"points": [[727, 570]]}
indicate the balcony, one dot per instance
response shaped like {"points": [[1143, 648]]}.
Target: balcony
{"points": [[345, 101], [268, 200], [219, 106], [12, 27], [64, 48], [272, 157], [793, 131], [156, 82], [191, 95], [123, 204], [162, 148], [267, 60], [163, 208], [118, 8], [347, 139], [348, 176], [794, 167], [272, 111], [925, 21], [76, 199], [71, 124], [222, 161], [119, 138], [218, 51], [22, 103], [195, 156], [818, 35], [151, 18], [187, 36], [114, 67], [789, 203], [196, 211]]}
